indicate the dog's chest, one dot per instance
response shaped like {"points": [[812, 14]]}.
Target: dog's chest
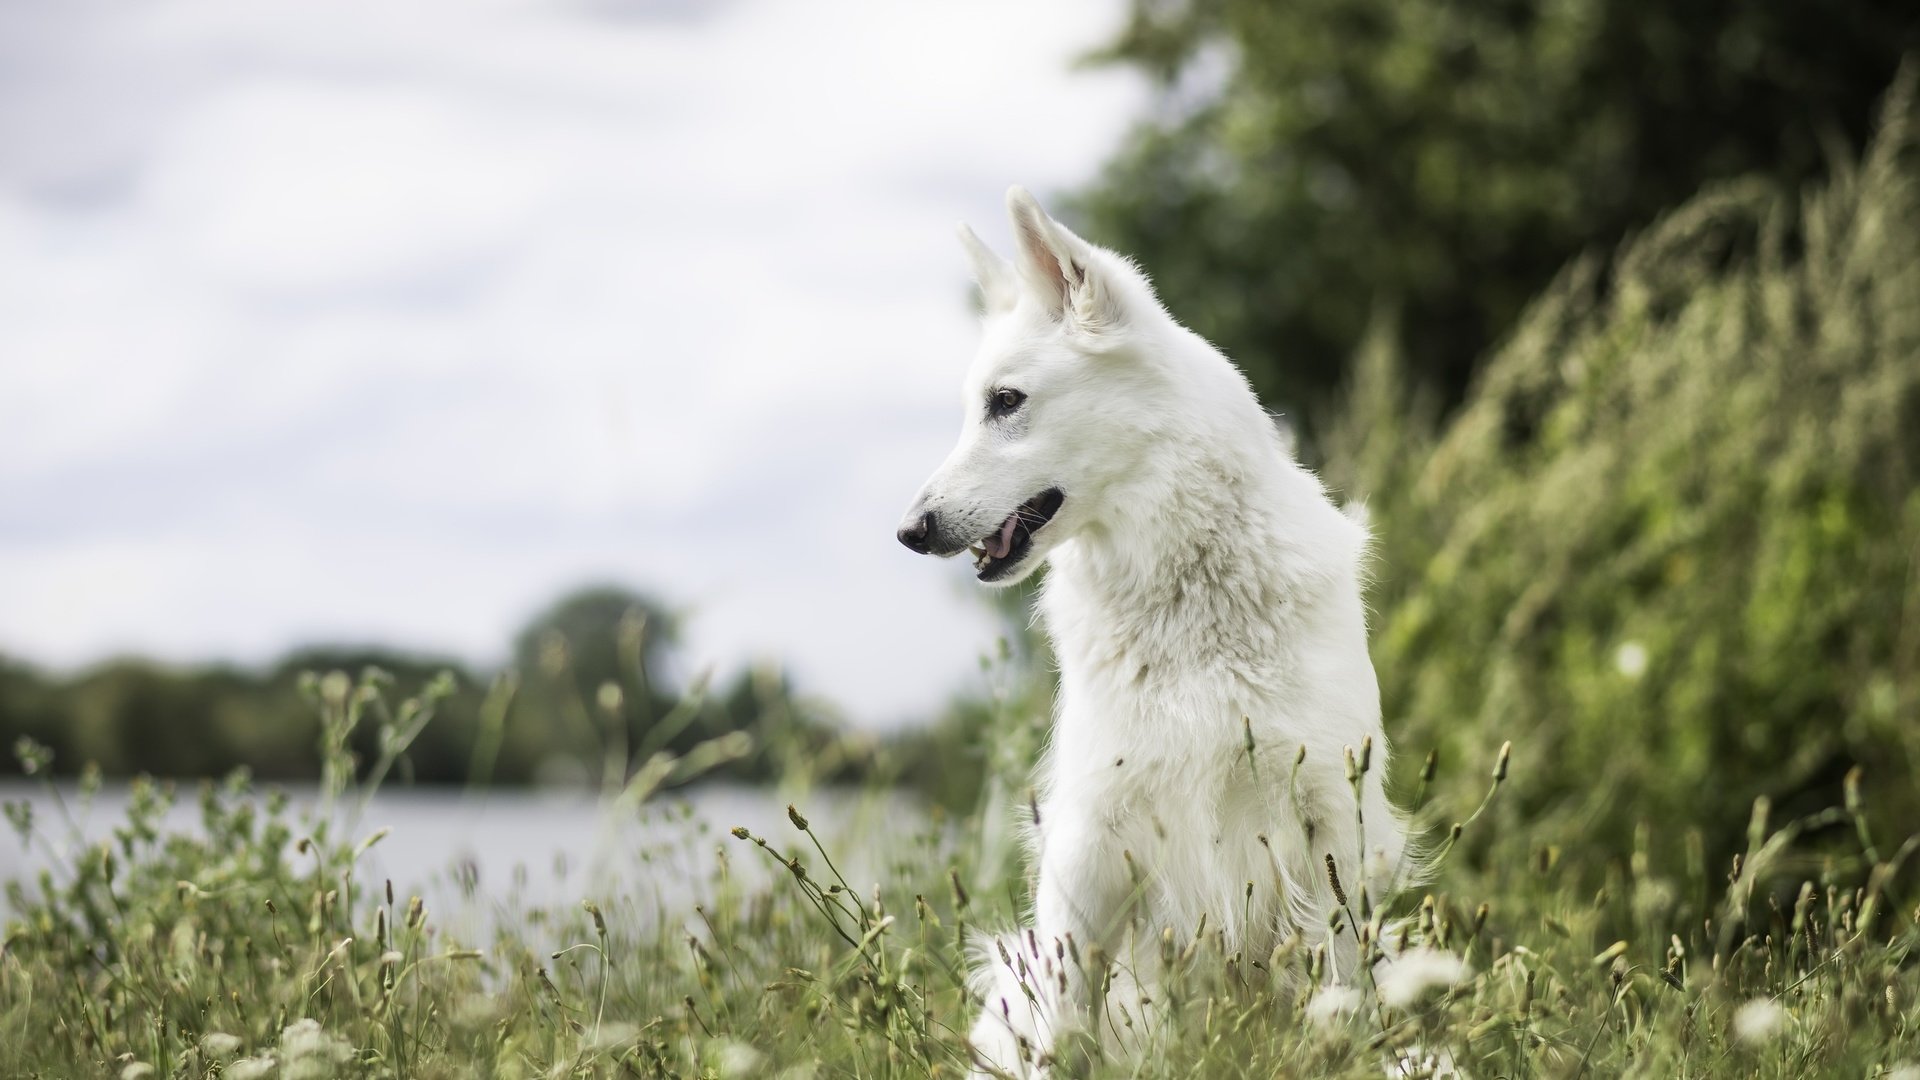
{"points": [[1181, 710], [1171, 666], [1191, 821], [1147, 731]]}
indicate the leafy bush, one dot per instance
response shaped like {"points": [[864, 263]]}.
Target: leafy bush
{"points": [[1668, 545]]}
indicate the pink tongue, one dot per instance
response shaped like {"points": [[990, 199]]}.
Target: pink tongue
{"points": [[1003, 543]]}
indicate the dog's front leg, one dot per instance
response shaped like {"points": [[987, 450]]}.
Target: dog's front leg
{"points": [[1041, 987], [1086, 891]]}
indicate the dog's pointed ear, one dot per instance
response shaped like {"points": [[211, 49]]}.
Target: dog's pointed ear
{"points": [[998, 286], [1058, 267]]}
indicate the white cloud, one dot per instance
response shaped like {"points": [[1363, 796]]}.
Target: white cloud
{"points": [[351, 319], [292, 187]]}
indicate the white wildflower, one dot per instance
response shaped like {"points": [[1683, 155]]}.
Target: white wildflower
{"points": [[219, 1045], [732, 1058], [1758, 1021], [1418, 1063], [1332, 1005], [311, 1053], [1630, 659], [1406, 978], [249, 1068]]}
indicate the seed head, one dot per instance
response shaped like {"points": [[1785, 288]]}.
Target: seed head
{"points": [[1612, 952], [1333, 879], [1757, 824]]}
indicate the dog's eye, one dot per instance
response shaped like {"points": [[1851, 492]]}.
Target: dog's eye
{"points": [[1004, 401]]}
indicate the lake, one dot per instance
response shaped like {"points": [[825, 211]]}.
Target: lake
{"points": [[479, 854]]}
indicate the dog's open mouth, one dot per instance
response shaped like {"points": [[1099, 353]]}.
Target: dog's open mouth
{"points": [[1000, 551]]}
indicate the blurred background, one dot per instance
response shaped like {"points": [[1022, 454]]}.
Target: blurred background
{"points": [[389, 326], [589, 349]]}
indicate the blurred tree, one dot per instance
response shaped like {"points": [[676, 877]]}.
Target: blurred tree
{"points": [[595, 693], [601, 634], [131, 711], [594, 637], [1312, 159], [598, 685], [30, 707], [281, 729]]}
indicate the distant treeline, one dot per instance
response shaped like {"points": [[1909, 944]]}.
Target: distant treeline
{"points": [[586, 692]]}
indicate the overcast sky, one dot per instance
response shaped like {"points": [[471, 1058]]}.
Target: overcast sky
{"points": [[362, 321]]}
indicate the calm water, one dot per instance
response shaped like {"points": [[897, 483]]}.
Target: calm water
{"points": [[487, 852]]}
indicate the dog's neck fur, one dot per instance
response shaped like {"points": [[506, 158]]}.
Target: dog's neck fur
{"points": [[1274, 548]]}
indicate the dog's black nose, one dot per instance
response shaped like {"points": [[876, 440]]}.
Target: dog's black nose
{"points": [[919, 536]]}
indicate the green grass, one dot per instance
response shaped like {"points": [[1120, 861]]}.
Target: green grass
{"points": [[250, 947]]}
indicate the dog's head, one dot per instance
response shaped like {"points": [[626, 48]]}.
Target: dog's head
{"points": [[1056, 404]]}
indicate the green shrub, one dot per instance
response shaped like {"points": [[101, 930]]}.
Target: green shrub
{"points": [[1668, 545]]}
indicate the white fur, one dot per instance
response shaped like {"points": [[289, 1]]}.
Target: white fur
{"points": [[1201, 584]]}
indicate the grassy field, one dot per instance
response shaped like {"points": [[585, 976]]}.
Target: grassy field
{"points": [[250, 948], [1665, 551]]}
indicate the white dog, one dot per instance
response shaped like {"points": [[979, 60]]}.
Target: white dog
{"points": [[1204, 603]]}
